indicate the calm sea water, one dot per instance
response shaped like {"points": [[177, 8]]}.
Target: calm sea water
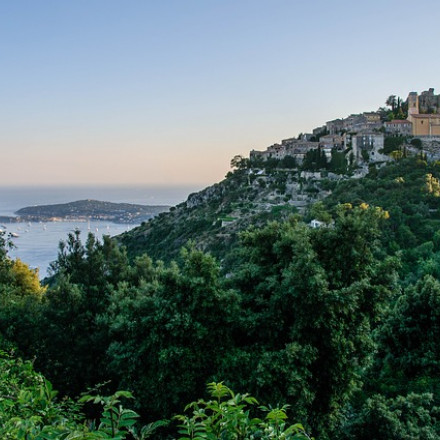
{"points": [[37, 244]]}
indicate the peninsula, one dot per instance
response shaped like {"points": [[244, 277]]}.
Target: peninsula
{"points": [[89, 210]]}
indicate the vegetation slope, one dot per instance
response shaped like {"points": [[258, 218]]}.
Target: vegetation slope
{"points": [[341, 322]]}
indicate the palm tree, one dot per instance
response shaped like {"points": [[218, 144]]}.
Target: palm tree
{"points": [[391, 102]]}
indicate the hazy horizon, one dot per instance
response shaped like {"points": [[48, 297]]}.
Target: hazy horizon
{"points": [[166, 93], [13, 198]]}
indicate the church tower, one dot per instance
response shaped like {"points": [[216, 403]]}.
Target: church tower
{"points": [[413, 104]]}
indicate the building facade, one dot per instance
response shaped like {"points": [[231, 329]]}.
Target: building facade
{"points": [[368, 146], [424, 124], [398, 127]]}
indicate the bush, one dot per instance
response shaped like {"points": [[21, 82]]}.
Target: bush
{"points": [[228, 416], [416, 142]]}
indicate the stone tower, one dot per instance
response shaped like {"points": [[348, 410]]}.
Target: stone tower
{"points": [[428, 102], [413, 104]]}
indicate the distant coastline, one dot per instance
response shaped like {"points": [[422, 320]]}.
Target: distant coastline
{"points": [[13, 198], [84, 210]]}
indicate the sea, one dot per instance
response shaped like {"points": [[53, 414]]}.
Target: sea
{"points": [[36, 243]]}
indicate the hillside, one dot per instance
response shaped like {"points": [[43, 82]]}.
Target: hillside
{"points": [[212, 218], [339, 322], [407, 189]]}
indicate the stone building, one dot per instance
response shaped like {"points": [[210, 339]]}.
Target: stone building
{"points": [[424, 124], [398, 127], [332, 141], [318, 131], [354, 123], [275, 151], [429, 102], [289, 147], [368, 146], [335, 127], [413, 104]]}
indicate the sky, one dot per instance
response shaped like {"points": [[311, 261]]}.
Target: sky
{"points": [[167, 92]]}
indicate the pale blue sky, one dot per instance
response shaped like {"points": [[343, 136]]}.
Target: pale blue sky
{"points": [[167, 92]]}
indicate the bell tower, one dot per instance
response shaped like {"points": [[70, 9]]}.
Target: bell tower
{"points": [[413, 104]]}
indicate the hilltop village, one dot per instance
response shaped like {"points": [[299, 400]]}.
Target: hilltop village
{"points": [[366, 138]]}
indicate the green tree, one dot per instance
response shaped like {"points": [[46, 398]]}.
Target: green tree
{"points": [[72, 350], [416, 142], [30, 410], [315, 160], [5, 261], [319, 212], [410, 337], [391, 102], [239, 163], [169, 334], [310, 301], [411, 417], [338, 162]]}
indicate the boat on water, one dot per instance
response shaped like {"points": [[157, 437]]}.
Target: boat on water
{"points": [[14, 234]]}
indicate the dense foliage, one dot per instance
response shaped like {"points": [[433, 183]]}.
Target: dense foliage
{"points": [[341, 323], [30, 410]]}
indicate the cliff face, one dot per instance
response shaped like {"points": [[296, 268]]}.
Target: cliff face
{"points": [[211, 193]]}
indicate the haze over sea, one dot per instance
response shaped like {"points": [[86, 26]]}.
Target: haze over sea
{"points": [[37, 244]]}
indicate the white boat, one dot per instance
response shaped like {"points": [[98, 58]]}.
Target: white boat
{"points": [[14, 234]]}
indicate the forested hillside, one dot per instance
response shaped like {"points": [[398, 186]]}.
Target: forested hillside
{"points": [[341, 323], [249, 196], [214, 217]]}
